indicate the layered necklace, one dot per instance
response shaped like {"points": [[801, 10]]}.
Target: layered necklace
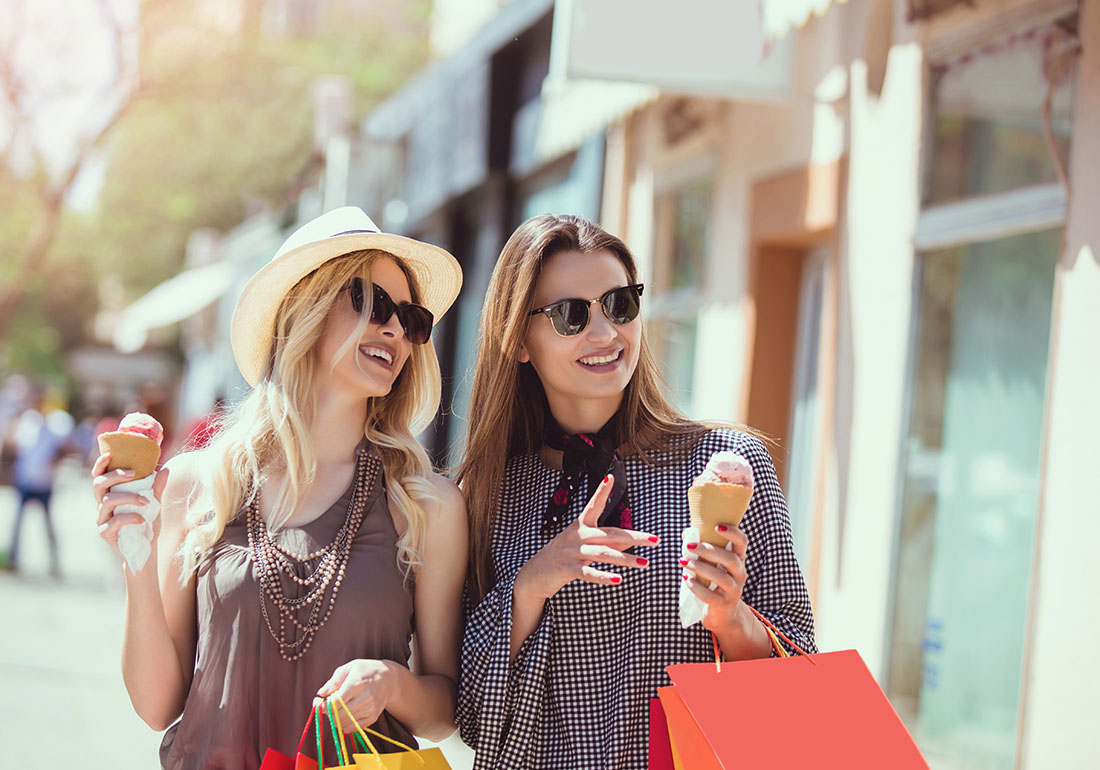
{"points": [[273, 562]]}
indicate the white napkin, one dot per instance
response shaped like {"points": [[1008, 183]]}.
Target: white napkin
{"points": [[692, 608], [135, 540]]}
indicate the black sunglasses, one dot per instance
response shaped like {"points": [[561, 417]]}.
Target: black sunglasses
{"points": [[570, 316], [415, 320]]}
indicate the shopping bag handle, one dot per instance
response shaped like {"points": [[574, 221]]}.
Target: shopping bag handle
{"points": [[362, 733], [314, 717], [773, 632]]}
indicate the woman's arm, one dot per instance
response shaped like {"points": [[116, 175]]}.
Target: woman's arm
{"points": [[422, 699], [158, 645]]}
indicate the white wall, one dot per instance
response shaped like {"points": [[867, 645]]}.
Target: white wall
{"points": [[875, 274], [1062, 695]]}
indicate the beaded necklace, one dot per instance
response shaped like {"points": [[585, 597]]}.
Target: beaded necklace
{"points": [[273, 561]]}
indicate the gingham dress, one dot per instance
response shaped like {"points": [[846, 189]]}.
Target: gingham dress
{"points": [[577, 695]]}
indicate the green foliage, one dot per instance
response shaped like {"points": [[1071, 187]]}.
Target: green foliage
{"points": [[221, 124]]}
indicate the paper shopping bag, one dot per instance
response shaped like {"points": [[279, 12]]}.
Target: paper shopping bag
{"points": [[735, 714], [690, 747], [660, 743], [276, 760], [743, 713], [429, 759]]}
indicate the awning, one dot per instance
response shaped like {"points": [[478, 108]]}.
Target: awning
{"points": [[781, 16], [700, 48], [567, 113], [180, 297]]}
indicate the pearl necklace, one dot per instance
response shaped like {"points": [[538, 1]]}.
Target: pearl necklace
{"points": [[273, 561]]}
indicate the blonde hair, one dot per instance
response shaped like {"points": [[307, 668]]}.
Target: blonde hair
{"points": [[268, 433], [509, 396]]}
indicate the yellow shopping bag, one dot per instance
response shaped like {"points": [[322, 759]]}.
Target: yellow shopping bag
{"points": [[409, 759]]}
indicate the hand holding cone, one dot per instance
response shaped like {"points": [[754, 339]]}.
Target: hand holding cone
{"points": [[136, 446]]}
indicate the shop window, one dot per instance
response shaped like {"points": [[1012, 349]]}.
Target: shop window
{"points": [[988, 132], [976, 396], [683, 216], [970, 488]]}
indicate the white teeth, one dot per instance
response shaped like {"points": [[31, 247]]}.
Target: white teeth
{"points": [[596, 360], [379, 353]]}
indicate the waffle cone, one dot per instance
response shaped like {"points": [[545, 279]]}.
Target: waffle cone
{"points": [[711, 504], [130, 451]]}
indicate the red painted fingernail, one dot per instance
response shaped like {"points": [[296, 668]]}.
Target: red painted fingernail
{"points": [[685, 577], [617, 579], [653, 539], [684, 562], [607, 478], [692, 546], [721, 527], [642, 562]]}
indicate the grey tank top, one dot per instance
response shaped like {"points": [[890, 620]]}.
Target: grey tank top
{"points": [[244, 696]]}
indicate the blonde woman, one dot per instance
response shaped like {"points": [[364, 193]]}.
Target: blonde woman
{"points": [[576, 476], [300, 551]]}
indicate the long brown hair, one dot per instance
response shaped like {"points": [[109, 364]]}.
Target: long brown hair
{"points": [[508, 396]]}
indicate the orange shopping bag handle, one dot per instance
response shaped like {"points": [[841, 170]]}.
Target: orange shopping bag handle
{"points": [[773, 632]]}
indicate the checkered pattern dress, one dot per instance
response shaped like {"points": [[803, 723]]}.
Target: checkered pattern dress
{"points": [[577, 695]]}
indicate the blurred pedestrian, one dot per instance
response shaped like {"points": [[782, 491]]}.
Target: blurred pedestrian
{"points": [[16, 396], [316, 487], [576, 476], [40, 438]]}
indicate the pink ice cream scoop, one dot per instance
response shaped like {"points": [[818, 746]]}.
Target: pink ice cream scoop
{"points": [[142, 425], [727, 468]]}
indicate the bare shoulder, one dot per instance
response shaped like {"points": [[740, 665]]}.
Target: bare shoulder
{"points": [[452, 503], [182, 487]]}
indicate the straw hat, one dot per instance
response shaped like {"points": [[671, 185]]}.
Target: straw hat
{"points": [[333, 234]]}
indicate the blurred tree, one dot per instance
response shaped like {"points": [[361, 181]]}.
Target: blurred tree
{"points": [[214, 122]]}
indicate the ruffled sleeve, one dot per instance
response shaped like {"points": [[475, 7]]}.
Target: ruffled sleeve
{"points": [[498, 703]]}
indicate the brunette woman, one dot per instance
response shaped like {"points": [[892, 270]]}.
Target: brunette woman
{"points": [[576, 478], [302, 549]]}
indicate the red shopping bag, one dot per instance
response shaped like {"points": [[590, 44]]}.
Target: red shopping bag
{"points": [[660, 745], [276, 760], [735, 714]]}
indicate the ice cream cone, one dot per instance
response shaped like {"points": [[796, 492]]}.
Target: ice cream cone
{"points": [[130, 451], [713, 503]]}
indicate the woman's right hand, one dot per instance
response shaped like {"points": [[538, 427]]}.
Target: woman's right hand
{"points": [[106, 501], [569, 556]]}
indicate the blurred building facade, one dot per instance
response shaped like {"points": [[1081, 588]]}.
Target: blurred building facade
{"points": [[865, 230]]}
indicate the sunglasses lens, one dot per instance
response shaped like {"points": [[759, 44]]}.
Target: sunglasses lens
{"points": [[622, 304], [415, 320], [382, 306], [417, 323], [355, 292], [569, 317]]}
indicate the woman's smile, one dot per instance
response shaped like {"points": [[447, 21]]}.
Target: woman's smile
{"points": [[380, 354], [602, 361]]}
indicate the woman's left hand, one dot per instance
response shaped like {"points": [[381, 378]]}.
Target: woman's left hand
{"points": [[705, 564], [366, 687]]}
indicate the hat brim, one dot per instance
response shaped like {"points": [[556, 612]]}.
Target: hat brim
{"points": [[437, 275]]}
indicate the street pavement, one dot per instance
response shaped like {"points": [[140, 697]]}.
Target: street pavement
{"points": [[61, 694]]}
